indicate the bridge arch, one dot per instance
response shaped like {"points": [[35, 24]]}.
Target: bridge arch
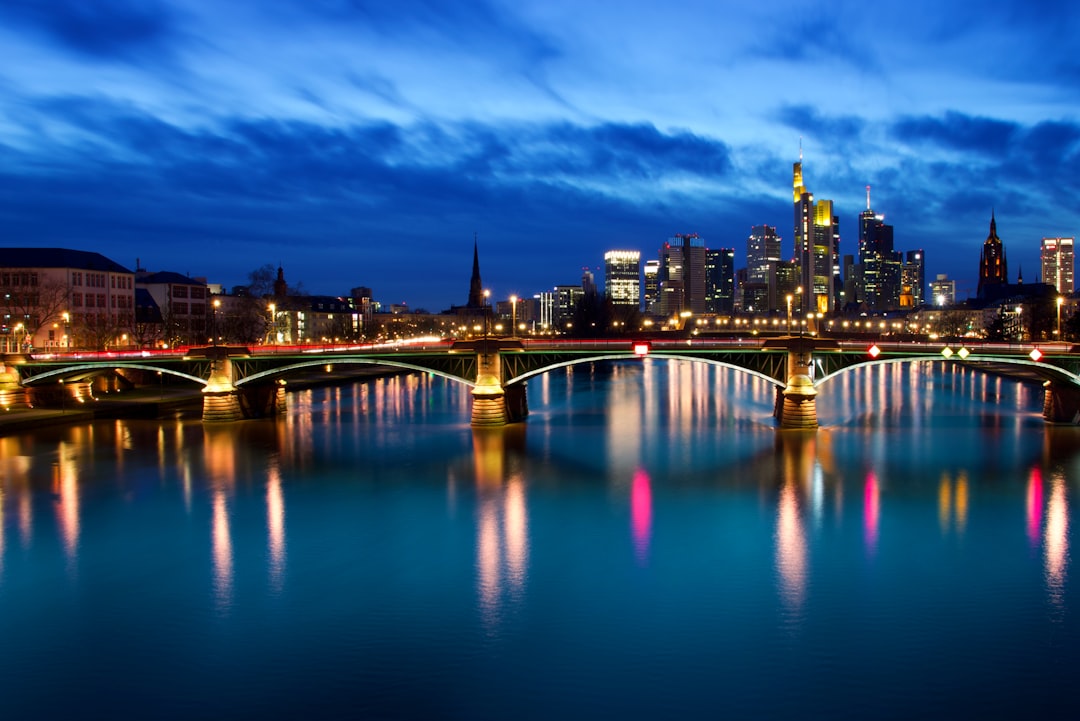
{"points": [[98, 369], [630, 358], [1022, 369], [282, 370]]}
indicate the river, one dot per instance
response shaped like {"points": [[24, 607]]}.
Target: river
{"points": [[646, 545]]}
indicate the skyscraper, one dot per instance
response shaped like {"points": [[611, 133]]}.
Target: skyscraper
{"points": [[913, 277], [1057, 264], [762, 246], [682, 274], [622, 277], [720, 280], [652, 286], [993, 269], [880, 264], [817, 246]]}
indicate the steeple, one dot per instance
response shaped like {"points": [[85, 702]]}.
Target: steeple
{"points": [[993, 269], [476, 287]]}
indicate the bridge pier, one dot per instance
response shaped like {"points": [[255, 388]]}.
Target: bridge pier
{"points": [[799, 407], [12, 392], [488, 396], [221, 403], [1061, 403]]}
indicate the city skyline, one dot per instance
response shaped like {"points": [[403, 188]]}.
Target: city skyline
{"points": [[336, 139]]}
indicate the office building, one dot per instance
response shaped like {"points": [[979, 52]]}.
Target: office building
{"points": [[817, 247], [943, 291], [880, 265], [622, 277], [720, 281], [651, 274], [682, 275], [913, 278], [1057, 264]]}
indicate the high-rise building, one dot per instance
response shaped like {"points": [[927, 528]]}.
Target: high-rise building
{"points": [[720, 280], [993, 269], [913, 277], [1057, 264], [682, 275], [942, 291], [622, 277], [651, 272], [880, 263], [817, 246], [762, 246]]}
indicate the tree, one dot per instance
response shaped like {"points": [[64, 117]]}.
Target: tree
{"points": [[34, 302]]}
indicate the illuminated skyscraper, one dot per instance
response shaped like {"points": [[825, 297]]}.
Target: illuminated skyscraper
{"points": [[762, 246], [1057, 264], [993, 269], [622, 277], [913, 277], [720, 280], [652, 286], [817, 246], [880, 264], [682, 275]]}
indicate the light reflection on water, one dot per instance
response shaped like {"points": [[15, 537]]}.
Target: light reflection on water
{"points": [[647, 544]]}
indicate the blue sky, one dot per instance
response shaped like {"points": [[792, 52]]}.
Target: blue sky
{"points": [[362, 142]]}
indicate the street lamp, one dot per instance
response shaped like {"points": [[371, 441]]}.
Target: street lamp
{"points": [[487, 296], [513, 315], [67, 330], [217, 304], [273, 322], [1060, 300], [790, 298]]}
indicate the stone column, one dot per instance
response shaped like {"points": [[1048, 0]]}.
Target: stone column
{"points": [[12, 393], [489, 398], [1061, 403], [220, 400], [800, 406]]}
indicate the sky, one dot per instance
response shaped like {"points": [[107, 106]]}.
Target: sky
{"points": [[369, 142]]}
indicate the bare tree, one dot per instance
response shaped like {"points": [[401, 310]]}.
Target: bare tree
{"points": [[34, 302]]}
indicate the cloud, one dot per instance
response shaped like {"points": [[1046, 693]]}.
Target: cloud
{"points": [[958, 131], [106, 29]]}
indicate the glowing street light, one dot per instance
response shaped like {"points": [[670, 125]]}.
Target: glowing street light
{"points": [[1060, 300], [790, 298], [513, 315]]}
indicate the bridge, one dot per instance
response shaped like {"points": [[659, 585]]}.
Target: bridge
{"points": [[239, 382]]}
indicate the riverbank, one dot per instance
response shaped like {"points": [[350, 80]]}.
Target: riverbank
{"points": [[136, 403], [156, 402]]}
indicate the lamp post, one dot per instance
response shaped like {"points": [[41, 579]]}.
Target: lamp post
{"points": [[67, 330], [487, 296], [513, 315], [1060, 300], [217, 304], [790, 298], [272, 335]]}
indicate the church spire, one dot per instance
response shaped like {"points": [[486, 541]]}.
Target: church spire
{"points": [[476, 287]]}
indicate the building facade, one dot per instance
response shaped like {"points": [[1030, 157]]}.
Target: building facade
{"points": [[60, 299], [720, 281], [682, 275], [1057, 264], [622, 277], [817, 247]]}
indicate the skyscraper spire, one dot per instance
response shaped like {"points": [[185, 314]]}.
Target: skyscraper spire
{"points": [[868, 197]]}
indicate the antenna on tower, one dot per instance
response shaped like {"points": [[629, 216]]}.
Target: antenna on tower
{"points": [[868, 197], [800, 148]]}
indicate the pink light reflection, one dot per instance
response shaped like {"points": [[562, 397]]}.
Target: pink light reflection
{"points": [[1034, 505], [641, 514], [871, 512]]}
